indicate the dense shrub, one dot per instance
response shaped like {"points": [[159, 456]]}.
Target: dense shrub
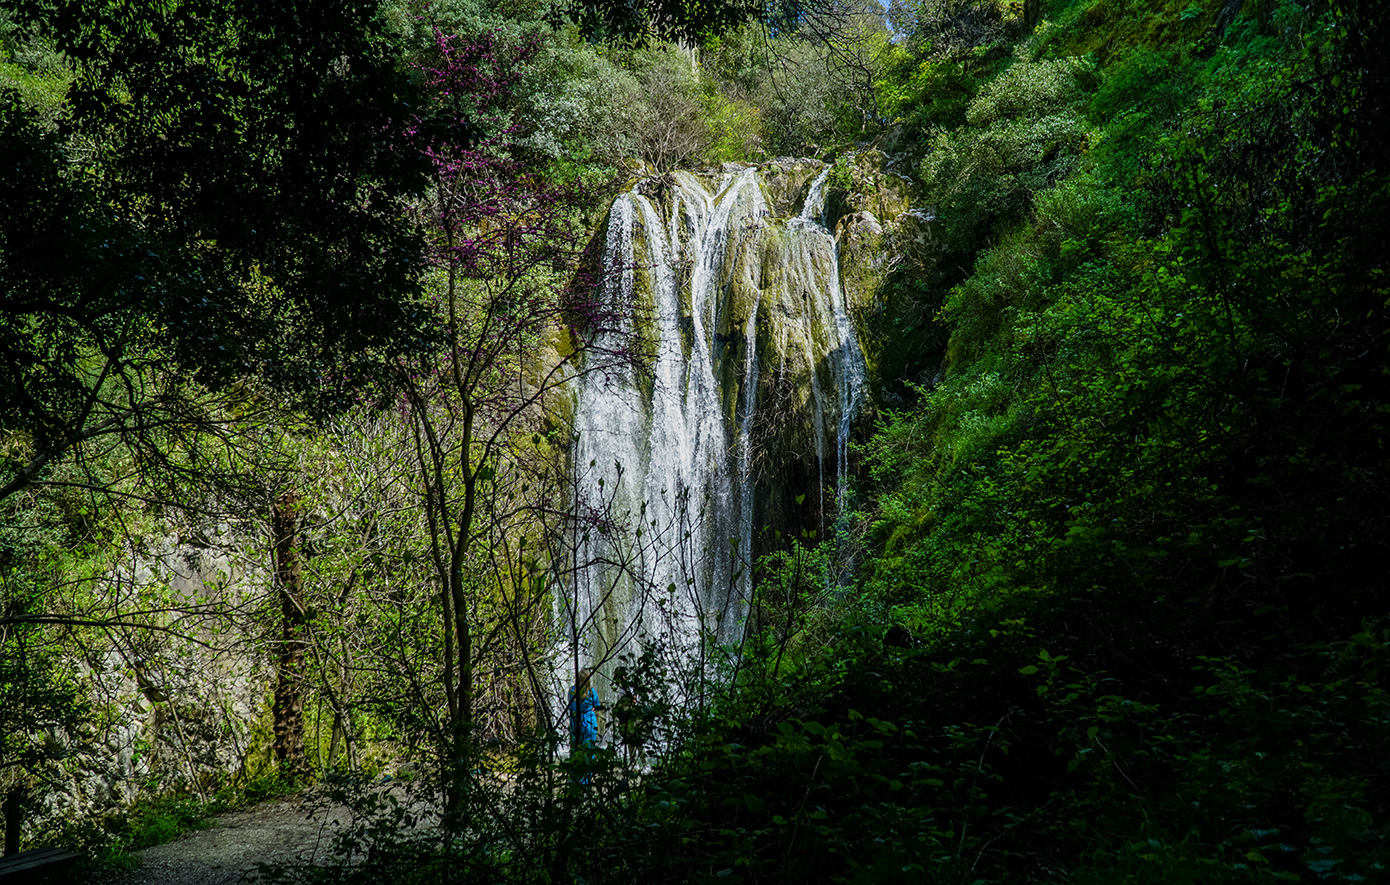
{"points": [[577, 103], [1025, 133]]}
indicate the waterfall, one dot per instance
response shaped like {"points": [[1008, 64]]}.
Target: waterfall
{"points": [[850, 370], [754, 364]]}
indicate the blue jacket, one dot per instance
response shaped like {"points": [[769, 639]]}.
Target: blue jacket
{"points": [[584, 719]]}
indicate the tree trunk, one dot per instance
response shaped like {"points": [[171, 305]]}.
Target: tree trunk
{"points": [[13, 809], [289, 698], [461, 749]]}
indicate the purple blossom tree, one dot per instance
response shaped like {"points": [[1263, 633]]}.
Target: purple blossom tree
{"points": [[522, 320]]}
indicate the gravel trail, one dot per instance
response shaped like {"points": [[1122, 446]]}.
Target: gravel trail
{"points": [[297, 829]]}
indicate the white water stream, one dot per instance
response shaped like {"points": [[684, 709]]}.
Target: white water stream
{"points": [[733, 302]]}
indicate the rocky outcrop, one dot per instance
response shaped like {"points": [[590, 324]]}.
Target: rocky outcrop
{"points": [[175, 704]]}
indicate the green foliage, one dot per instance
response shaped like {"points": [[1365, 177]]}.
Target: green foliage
{"points": [[1094, 371], [794, 614], [1006, 749], [1024, 133], [40, 702], [933, 95], [1117, 27], [1032, 89], [30, 65], [735, 126], [279, 152], [111, 846], [812, 88], [1131, 541], [739, 60], [663, 19], [163, 820], [579, 103], [1154, 83], [671, 129], [1135, 527]]}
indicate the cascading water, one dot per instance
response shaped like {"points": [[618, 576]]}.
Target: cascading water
{"points": [[754, 362], [850, 372]]}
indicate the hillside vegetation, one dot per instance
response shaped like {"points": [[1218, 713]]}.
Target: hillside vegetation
{"points": [[1132, 533]]}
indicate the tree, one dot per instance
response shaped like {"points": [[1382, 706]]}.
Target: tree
{"points": [[289, 583], [35, 696], [854, 35], [218, 222], [662, 19], [221, 205], [519, 327], [673, 130]]}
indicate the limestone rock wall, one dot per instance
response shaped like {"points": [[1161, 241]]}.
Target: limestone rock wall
{"points": [[176, 698]]}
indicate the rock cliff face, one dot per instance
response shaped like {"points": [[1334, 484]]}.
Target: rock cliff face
{"points": [[752, 285], [171, 711]]}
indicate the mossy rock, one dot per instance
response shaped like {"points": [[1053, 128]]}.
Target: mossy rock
{"points": [[786, 182], [866, 181], [862, 257]]}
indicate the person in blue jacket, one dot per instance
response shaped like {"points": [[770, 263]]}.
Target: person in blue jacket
{"points": [[584, 707]]}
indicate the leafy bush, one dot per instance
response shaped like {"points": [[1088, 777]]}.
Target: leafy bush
{"points": [[31, 65], [1006, 750], [1147, 81], [798, 101], [163, 820], [1025, 133], [579, 104], [935, 95], [672, 129], [1136, 462], [735, 126], [1031, 89]]}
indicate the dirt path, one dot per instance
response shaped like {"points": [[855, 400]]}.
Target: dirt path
{"points": [[292, 830]]}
